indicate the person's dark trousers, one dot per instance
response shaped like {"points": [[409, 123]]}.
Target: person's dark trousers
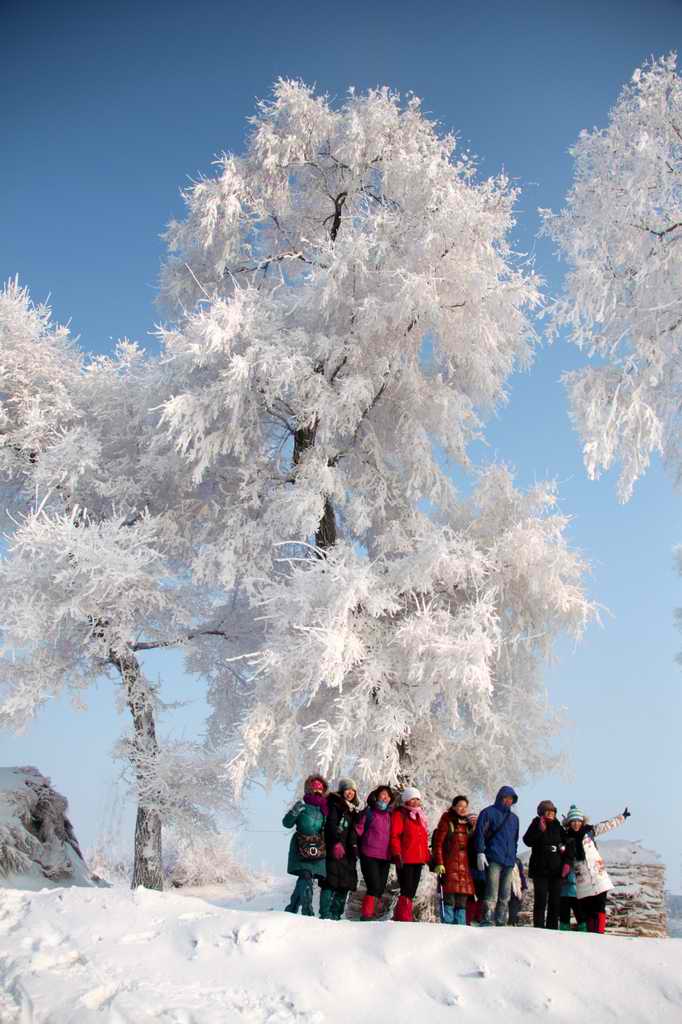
{"points": [[338, 904], [593, 909], [547, 902], [568, 904], [408, 876], [375, 874], [515, 905], [302, 896]]}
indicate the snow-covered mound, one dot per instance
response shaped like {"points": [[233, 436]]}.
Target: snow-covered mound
{"points": [[624, 851], [118, 957], [38, 847]]}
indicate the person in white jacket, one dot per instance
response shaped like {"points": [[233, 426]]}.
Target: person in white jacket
{"points": [[591, 877]]}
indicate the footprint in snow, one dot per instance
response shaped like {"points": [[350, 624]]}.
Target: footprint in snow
{"points": [[446, 997], [196, 916], [481, 971], [134, 938], [99, 997]]}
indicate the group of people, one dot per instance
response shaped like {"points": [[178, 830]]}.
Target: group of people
{"points": [[481, 879]]}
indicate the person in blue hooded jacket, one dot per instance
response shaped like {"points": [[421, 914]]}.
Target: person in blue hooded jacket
{"points": [[496, 839]]}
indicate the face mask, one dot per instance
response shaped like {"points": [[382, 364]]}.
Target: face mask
{"points": [[381, 805]]}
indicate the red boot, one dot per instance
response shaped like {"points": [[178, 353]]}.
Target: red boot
{"points": [[403, 909], [600, 923], [368, 907]]}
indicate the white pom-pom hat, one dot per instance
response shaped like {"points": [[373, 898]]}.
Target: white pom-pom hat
{"points": [[410, 793]]}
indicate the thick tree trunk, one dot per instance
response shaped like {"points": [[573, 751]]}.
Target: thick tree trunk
{"points": [[326, 532], [405, 763], [147, 865], [325, 535]]}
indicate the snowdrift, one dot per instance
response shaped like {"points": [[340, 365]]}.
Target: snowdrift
{"points": [[38, 847], [111, 956]]}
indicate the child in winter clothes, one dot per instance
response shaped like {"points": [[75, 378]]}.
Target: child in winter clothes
{"points": [[569, 902], [451, 854], [374, 829], [591, 878], [409, 849], [307, 849], [496, 839], [549, 864], [519, 885], [342, 850]]}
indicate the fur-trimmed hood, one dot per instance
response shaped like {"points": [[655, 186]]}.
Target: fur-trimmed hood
{"points": [[374, 796], [308, 784]]}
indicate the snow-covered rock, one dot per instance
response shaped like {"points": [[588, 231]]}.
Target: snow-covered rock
{"points": [[112, 956], [636, 905], [38, 847]]}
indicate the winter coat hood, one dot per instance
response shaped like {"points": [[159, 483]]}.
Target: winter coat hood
{"points": [[308, 784], [497, 831], [374, 796], [502, 793]]}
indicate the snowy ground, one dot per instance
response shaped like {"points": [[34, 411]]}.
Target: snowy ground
{"points": [[109, 956]]}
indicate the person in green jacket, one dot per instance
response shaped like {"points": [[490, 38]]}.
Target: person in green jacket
{"points": [[307, 852]]}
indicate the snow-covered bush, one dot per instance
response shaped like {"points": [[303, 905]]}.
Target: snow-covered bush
{"points": [[38, 846], [206, 858]]}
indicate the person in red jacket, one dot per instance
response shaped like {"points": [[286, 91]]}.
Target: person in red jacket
{"points": [[409, 849]]}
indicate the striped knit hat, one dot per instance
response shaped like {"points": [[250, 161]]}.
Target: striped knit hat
{"points": [[574, 814]]}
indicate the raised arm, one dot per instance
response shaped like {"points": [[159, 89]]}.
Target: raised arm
{"points": [[290, 818], [605, 826]]}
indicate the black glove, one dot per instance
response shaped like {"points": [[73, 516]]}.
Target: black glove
{"points": [[626, 813]]}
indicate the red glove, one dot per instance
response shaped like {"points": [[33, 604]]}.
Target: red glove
{"points": [[338, 851], [566, 870]]}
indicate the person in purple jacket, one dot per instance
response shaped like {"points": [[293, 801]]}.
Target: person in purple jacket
{"points": [[374, 830]]}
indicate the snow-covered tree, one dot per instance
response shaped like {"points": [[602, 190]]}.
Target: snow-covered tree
{"points": [[423, 665], [621, 233], [348, 307], [94, 569]]}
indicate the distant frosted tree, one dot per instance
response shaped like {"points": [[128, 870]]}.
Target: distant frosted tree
{"points": [[621, 233], [93, 572], [348, 306]]}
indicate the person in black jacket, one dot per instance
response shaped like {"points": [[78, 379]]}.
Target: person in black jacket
{"points": [[342, 850], [549, 863]]}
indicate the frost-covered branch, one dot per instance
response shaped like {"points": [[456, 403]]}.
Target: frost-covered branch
{"points": [[623, 293]]}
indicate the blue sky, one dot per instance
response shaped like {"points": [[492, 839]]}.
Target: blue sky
{"points": [[109, 109]]}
